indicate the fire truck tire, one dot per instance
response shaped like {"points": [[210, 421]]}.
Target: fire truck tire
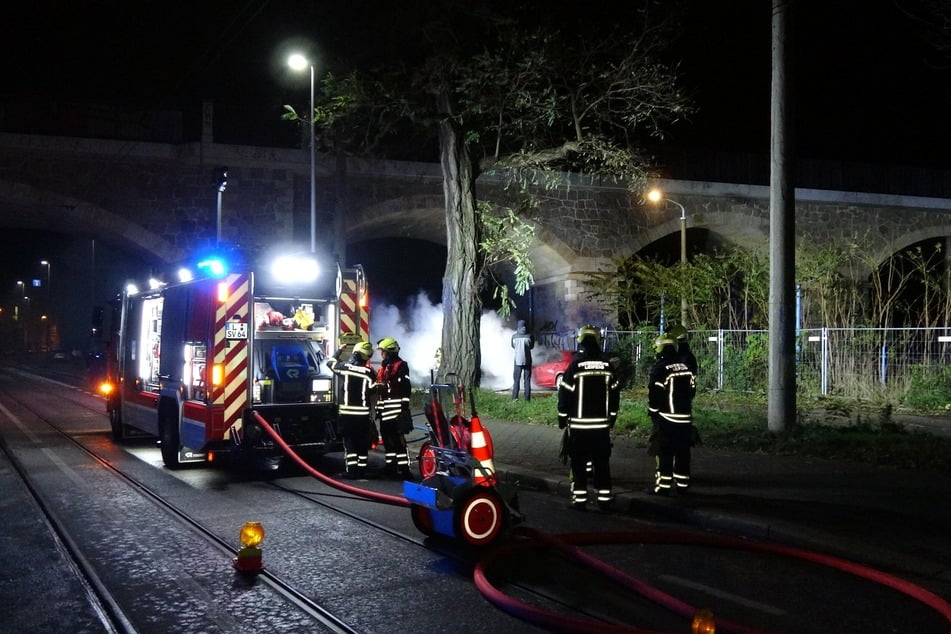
{"points": [[115, 421], [427, 461], [422, 519], [171, 443], [480, 517]]}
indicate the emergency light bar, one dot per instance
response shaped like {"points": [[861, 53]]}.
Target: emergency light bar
{"points": [[216, 267], [295, 269]]}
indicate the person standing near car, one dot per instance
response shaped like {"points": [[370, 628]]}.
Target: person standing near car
{"points": [[588, 399], [354, 407], [670, 393], [522, 343], [395, 417]]}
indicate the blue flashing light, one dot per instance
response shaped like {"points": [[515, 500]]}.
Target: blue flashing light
{"points": [[215, 267]]}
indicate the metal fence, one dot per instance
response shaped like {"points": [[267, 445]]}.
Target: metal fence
{"points": [[853, 363]]}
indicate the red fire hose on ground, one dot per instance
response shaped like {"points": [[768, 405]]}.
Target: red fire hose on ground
{"points": [[568, 544], [383, 498]]}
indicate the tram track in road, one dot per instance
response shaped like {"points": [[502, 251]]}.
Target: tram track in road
{"points": [[105, 602], [320, 540], [90, 441]]}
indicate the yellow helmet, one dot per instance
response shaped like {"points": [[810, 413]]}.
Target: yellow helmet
{"points": [[364, 349], [663, 341], [678, 332], [389, 344], [590, 331]]}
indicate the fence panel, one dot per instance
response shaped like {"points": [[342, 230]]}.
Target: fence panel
{"points": [[854, 363]]}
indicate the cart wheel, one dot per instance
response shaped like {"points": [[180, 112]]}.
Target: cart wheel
{"points": [[427, 461], [479, 519], [422, 519]]}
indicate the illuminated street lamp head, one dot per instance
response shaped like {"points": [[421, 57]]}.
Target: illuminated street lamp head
{"points": [[655, 195], [298, 62]]}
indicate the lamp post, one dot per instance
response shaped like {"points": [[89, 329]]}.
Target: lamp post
{"points": [[49, 298], [655, 195], [221, 178], [49, 275], [298, 62]]}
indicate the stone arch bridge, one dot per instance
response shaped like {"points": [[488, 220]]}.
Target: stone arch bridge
{"points": [[159, 200]]}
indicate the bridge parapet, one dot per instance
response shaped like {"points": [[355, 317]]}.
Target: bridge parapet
{"points": [[160, 200]]}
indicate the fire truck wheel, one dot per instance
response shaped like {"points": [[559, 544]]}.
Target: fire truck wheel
{"points": [[480, 517], [118, 429], [427, 461], [422, 519], [170, 443]]}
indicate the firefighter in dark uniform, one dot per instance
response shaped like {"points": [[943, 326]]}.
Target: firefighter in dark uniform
{"points": [[396, 420], [588, 399], [670, 393], [354, 406]]}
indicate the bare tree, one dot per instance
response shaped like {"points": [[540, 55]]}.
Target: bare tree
{"points": [[530, 95]]}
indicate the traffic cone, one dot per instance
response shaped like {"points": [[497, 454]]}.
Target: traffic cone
{"points": [[482, 451]]}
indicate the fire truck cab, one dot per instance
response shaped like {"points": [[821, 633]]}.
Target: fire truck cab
{"points": [[195, 357]]}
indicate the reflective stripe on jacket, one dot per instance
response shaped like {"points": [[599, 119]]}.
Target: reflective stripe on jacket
{"points": [[589, 394]]}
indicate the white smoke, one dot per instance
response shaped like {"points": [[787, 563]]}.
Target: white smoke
{"points": [[418, 329]]}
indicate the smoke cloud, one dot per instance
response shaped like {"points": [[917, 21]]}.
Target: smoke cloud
{"points": [[418, 329]]}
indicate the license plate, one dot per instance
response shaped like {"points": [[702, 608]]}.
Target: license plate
{"points": [[236, 330]]}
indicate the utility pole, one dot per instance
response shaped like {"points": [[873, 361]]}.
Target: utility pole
{"points": [[781, 409]]}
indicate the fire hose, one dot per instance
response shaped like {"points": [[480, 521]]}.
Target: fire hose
{"points": [[529, 539]]}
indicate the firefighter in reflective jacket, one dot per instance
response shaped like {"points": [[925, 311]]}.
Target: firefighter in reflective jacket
{"points": [[588, 398], [395, 417], [670, 393], [354, 407]]}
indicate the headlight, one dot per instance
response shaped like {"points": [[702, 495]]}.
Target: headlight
{"points": [[321, 385]]}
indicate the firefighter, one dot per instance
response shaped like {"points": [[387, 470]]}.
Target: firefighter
{"points": [[670, 393], [588, 399], [354, 407], [395, 418]]}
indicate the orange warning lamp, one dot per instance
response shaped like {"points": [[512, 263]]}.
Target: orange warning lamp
{"points": [[249, 557], [703, 622]]}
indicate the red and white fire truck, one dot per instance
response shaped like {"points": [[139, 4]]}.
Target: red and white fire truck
{"points": [[194, 358]]}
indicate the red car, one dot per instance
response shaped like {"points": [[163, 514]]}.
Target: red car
{"points": [[549, 374]]}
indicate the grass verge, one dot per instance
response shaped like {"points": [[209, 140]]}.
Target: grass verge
{"points": [[739, 422]]}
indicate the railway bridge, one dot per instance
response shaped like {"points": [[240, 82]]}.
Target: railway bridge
{"points": [[159, 200]]}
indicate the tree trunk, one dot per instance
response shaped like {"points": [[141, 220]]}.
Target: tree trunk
{"points": [[461, 303]]}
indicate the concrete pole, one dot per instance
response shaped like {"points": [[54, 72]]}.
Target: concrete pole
{"points": [[313, 170], [782, 237], [683, 261]]}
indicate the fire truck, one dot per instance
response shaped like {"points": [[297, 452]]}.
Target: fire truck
{"points": [[194, 358]]}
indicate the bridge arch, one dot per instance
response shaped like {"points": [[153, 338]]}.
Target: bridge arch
{"points": [[29, 207]]}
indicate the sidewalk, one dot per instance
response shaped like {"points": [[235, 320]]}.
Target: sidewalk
{"points": [[893, 519]]}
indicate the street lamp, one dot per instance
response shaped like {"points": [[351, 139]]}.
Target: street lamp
{"points": [[49, 275], [49, 298], [298, 62], [655, 196]]}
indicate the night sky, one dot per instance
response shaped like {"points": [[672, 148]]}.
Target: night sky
{"points": [[865, 85]]}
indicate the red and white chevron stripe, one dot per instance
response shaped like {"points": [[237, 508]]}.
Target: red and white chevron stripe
{"points": [[232, 355]]}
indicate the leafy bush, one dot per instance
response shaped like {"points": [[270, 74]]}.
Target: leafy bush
{"points": [[930, 388]]}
